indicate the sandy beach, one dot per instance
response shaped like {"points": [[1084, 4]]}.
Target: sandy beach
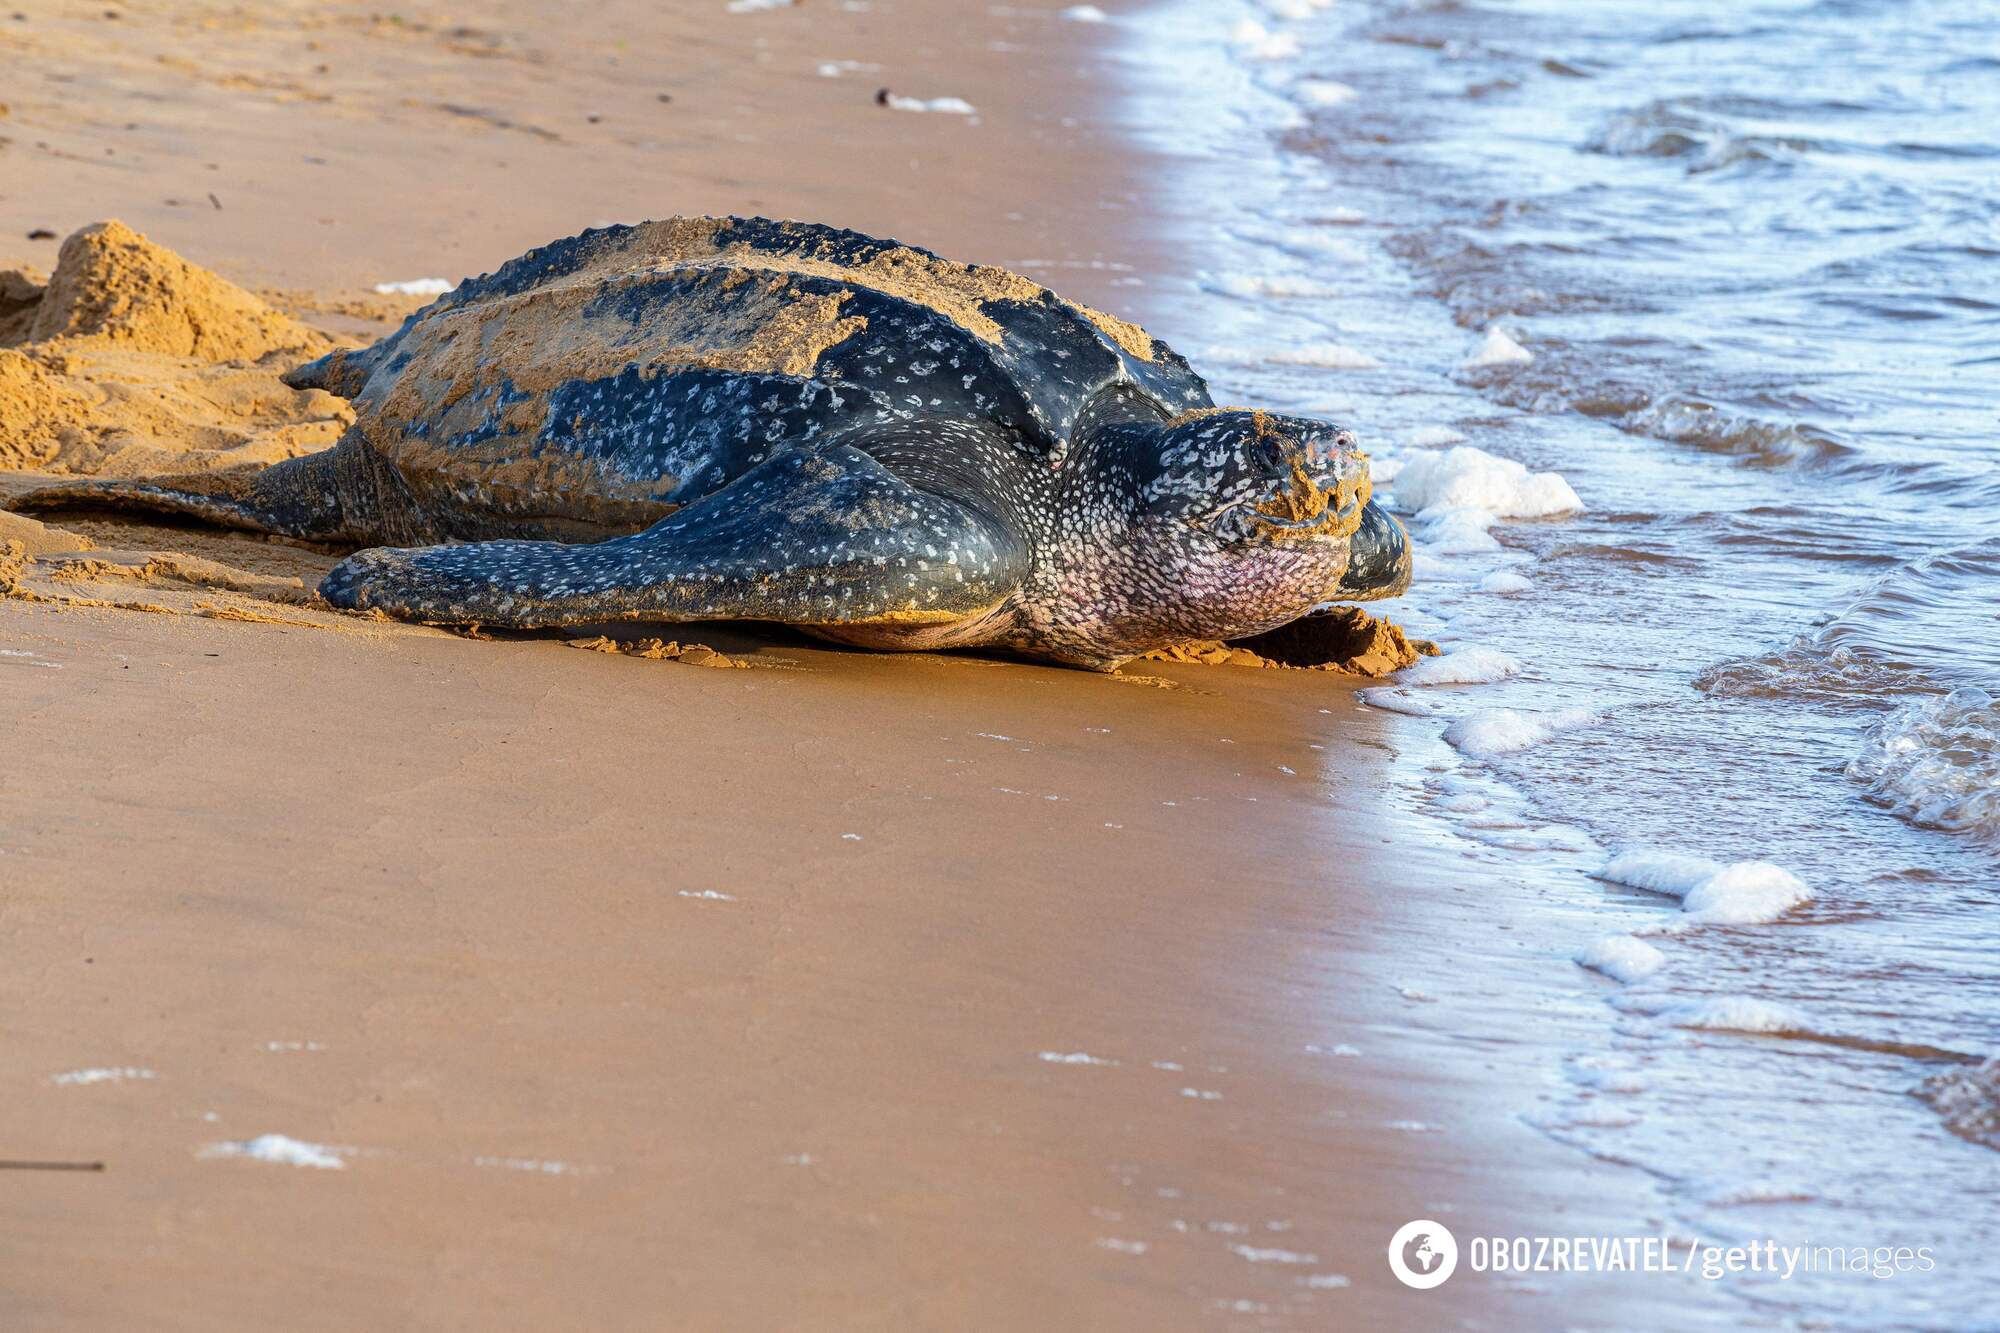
{"points": [[832, 990]]}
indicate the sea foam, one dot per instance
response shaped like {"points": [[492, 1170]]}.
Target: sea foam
{"points": [[1467, 477], [1253, 39], [1745, 893], [1622, 958], [281, 1149], [1466, 666], [949, 106], [1736, 1013], [1501, 731], [1497, 350], [1323, 92], [415, 287]]}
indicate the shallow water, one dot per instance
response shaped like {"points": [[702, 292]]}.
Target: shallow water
{"points": [[1753, 254]]}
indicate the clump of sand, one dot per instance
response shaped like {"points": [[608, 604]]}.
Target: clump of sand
{"points": [[1342, 638], [129, 361], [689, 654]]}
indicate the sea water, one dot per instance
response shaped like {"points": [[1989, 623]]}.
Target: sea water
{"points": [[1674, 331]]}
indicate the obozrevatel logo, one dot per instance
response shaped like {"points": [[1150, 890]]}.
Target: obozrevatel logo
{"points": [[1422, 1254]]}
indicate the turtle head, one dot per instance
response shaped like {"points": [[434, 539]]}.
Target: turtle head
{"points": [[1252, 519]]}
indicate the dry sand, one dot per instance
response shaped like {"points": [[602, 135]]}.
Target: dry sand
{"points": [[842, 991]]}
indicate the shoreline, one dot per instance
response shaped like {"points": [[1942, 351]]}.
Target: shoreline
{"points": [[445, 908]]}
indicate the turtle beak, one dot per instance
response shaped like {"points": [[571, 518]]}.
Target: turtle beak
{"points": [[1378, 559]]}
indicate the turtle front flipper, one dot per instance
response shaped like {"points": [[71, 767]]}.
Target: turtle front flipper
{"points": [[828, 537], [346, 494]]}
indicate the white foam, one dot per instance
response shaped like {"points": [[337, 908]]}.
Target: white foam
{"points": [[1325, 1281], [1498, 731], [1296, 9], [1736, 1013], [1074, 1058], [1272, 1256], [1323, 92], [1465, 666], [1341, 214], [529, 1164], [1622, 958], [1121, 1246], [285, 1151], [1253, 39], [752, 6], [1505, 584], [1434, 437], [415, 287], [833, 69], [1252, 285], [1467, 477], [1497, 350], [78, 1077], [1399, 701], [711, 895], [1744, 893], [950, 106], [1327, 356], [1086, 14]]}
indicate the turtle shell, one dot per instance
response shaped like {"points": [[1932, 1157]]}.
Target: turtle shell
{"points": [[612, 376]]}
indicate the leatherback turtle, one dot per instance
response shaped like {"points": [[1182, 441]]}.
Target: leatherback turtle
{"points": [[735, 418]]}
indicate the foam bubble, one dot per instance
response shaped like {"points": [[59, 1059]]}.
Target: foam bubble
{"points": [[1499, 731], [1434, 437], [415, 287], [1497, 350], [1399, 701], [1466, 666], [1468, 477], [1086, 14], [1505, 584], [1074, 1058], [1323, 92], [1253, 39], [1272, 1256], [78, 1077], [283, 1150], [949, 106], [1745, 893], [1736, 1013], [1622, 958]]}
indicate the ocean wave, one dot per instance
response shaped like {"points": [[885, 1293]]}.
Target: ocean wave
{"points": [[1673, 129], [1805, 668], [1684, 419], [1936, 762]]}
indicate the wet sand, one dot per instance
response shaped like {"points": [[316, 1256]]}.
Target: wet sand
{"points": [[629, 993]]}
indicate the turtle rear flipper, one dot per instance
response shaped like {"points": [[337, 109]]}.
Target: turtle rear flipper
{"points": [[825, 537], [344, 494]]}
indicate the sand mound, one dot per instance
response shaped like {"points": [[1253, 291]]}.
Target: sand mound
{"points": [[114, 284], [129, 360], [1342, 638]]}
